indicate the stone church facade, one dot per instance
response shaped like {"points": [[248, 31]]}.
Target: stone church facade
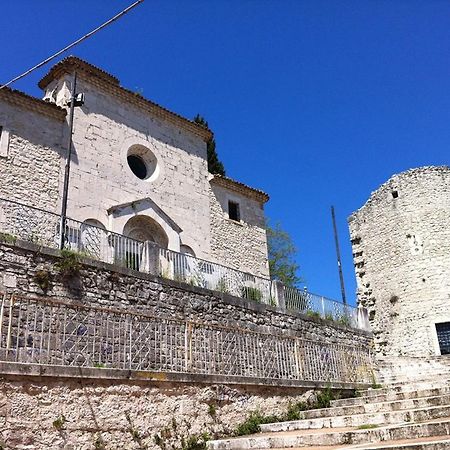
{"points": [[137, 169], [401, 250]]}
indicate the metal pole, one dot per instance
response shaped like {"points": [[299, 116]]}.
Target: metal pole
{"points": [[62, 226], [338, 254]]}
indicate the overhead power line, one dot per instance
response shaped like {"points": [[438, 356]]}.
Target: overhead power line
{"points": [[73, 44]]}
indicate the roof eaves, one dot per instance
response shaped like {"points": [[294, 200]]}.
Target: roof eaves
{"points": [[242, 188], [22, 99], [112, 83]]}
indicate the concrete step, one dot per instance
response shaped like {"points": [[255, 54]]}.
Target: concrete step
{"points": [[413, 378], [397, 405], [334, 437], [392, 395], [403, 386], [430, 443], [373, 418]]}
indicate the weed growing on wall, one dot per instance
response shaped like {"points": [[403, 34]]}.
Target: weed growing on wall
{"points": [[58, 423], [43, 279], [8, 238], [251, 293], [314, 314], [221, 286], [69, 265]]}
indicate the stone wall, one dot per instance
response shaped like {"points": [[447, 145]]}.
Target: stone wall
{"points": [[52, 413], [102, 284], [30, 156], [401, 250], [52, 407], [241, 245]]}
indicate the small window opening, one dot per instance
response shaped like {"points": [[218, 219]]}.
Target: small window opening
{"points": [[395, 194], [233, 211], [137, 166], [443, 334]]}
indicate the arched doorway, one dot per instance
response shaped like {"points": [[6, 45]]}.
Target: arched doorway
{"points": [[144, 228], [141, 231]]}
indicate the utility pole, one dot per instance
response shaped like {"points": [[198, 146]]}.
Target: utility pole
{"points": [[62, 226], [338, 254]]}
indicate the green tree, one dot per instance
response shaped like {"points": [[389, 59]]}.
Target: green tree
{"points": [[282, 253], [215, 166]]}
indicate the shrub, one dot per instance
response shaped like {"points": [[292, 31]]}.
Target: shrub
{"points": [[294, 412], [323, 399], [221, 286], [252, 424], [195, 442], [344, 320]]}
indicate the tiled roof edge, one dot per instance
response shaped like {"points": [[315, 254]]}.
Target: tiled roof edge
{"points": [[112, 84], [242, 188], [19, 98]]}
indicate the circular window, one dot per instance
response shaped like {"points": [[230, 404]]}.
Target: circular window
{"points": [[142, 162], [137, 166]]}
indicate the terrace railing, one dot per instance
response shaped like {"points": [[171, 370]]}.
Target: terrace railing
{"points": [[43, 331], [19, 221], [319, 306]]}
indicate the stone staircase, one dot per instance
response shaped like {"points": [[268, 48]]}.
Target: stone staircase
{"points": [[412, 412]]}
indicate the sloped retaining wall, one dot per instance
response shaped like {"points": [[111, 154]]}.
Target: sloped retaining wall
{"points": [[43, 407], [101, 284]]}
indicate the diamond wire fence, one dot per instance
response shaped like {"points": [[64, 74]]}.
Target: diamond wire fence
{"points": [[52, 332]]}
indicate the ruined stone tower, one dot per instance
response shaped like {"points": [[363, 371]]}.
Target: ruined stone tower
{"points": [[401, 251]]}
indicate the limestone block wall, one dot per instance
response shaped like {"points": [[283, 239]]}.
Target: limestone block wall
{"points": [[401, 250], [240, 245], [30, 155], [54, 413], [105, 129]]}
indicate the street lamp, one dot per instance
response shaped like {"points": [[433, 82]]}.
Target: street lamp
{"points": [[75, 100]]}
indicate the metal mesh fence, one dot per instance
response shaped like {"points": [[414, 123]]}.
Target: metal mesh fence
{"points": [[35, 330]]}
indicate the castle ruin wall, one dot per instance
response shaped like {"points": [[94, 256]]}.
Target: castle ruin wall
{"points": [[401, 251]]}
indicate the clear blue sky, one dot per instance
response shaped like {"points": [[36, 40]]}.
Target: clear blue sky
{"points": [[315, 102]]}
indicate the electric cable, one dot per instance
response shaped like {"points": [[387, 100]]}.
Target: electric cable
{"points": [[73, 44]]}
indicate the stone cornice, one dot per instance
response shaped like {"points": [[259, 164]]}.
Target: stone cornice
{"points": [[240, 188], [111, 84], [18, 98]]}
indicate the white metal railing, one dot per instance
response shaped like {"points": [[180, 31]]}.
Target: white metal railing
{"points": [[36, 330], [317, 305], [19, 221], [209, 275]]}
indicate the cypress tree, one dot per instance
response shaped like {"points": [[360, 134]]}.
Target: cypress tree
{"points": [[215, 166]]}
